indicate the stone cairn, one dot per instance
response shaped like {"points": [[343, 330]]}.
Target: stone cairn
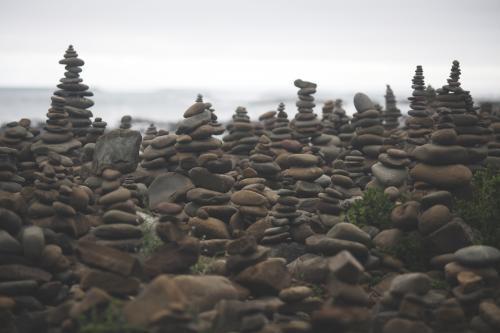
{"points": [[460, 114], [281, 129], [391, 169], [262, 162], [150, 134], [252, 204], [159, 156], [368, 124], [391, 113], [347, 309], [285, 221], [306, 123], [120, 228], [344, 128], [430, 94], [126, 122], [58, 135], [330, 206], [494, 144], [75, 94], [97, 129], [419, 124], [327, 118], [10, 181], [241, 138], [304, 170], [268, 119]]}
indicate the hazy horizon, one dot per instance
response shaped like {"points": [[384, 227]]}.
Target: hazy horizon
{"points": [[255, 46]]}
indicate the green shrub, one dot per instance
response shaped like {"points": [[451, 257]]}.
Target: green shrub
{"points": [[108, 320], [482, 210], [150, 241], [203, 265], [412, 252], [373, 209]]}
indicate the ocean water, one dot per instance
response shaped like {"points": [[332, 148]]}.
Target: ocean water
{"points": [[163, 107]]}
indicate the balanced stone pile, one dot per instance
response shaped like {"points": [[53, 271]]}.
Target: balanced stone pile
{"points": [[281, 130], [327, 118], [494, 145], [329, 206], [262, 161], [120, 222], [97, 129], [391, 169], [268, 119], [126, 122], [419, 124], [58, 135], [306, 123], [345, 130], [10, 181], [355, 164], [347, 309], [304, 170], [368, 124], [241, 139], [252, 204], [430, 93], [75, 94], [440, 164], [463, 117], [159, 156], [392, 113], [285, 221], [17, 137], [150, 134]]}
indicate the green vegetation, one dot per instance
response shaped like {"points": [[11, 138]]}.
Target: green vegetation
{"points": [[373, 209], [203, 265], [108, 320], [482, 210], [439, 284], [150, 241], [411, 251]]}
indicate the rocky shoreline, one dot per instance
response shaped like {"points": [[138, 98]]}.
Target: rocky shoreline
{"points": [[283, 224]]}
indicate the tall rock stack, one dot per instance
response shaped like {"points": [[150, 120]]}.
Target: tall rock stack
{"points": [[306, 123], [430, 94], [75, 93], [368, 124], [470, 133], [392, 113], [494, 145], [97, 129], [58, 135], [304, 170], [252, 203], [262, 161], [391, 169], [10, 181], [159, 155], [281, 130], [327, 118], [420, 123], [344, 128], [150, 134], [241, 138], [120, 221], [268, 119]]}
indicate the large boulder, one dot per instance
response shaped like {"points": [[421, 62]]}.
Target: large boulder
{"points": [[118, 149], [168, 187]]}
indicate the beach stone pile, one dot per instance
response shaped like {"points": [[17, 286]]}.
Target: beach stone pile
{"points": [[304, 170], [262, 161], [150, 133], [327, 118], [343, 126], [268, 120], [297, 301], [330, 207], [368, 124], [463, 117], [420, 124], [392, 113], [241, 139], [126, 122], [494, 144], [391, 169], [76, 94], [159, 156], [346, 309], [440, 164], [16, 136], [354, 162], [58, 135], [305, 123], [253, 204], [97, 129], [10, 181], [281, 129], [286, 223], [120, 223]]}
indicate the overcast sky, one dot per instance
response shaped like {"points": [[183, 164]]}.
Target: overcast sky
{"points": [[256, 45]]}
